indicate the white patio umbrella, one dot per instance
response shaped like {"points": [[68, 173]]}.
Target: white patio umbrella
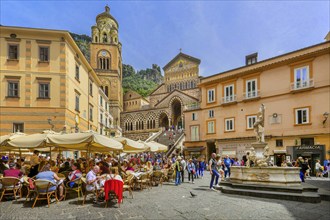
{"points": [[131, 146], [156, 147]]}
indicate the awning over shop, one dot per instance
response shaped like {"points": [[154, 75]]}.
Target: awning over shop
{"points": [[229, 153], [193, 149], [279, 151]]}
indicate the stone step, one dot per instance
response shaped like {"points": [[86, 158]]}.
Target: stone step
{"points": [[308, 197], [290, 189]]}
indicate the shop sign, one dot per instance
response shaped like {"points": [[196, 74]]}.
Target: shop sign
{"points": [[309, 147]]}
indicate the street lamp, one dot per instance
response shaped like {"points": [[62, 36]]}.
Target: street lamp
{"points": [[325, 115], [77, 123], [50, 122]]}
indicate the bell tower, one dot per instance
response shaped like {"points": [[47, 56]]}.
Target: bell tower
{"points": [[106, 60]]}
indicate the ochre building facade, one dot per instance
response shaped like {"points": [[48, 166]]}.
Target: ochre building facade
{"points": [[295, 90]]}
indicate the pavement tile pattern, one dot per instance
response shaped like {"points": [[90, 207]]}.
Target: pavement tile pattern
{"points": [[171, 202]]}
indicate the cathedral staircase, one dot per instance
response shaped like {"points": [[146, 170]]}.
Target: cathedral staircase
{"points": [[170, 139]]}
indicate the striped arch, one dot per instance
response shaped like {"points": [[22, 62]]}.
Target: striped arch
{"points": [[128, 123], [151, 120], [159, 114], [139, 121]]}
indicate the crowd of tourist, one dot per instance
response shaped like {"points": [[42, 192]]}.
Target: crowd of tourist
{"points": [[176, 168]]}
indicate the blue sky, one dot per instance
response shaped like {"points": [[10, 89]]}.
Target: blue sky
{"points": [[220, 33]]}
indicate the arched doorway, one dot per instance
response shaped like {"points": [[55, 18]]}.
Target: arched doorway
{"points": [[163, 120], [177, 114]]}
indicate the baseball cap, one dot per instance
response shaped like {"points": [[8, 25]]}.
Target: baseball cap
{"points": [[11, 165], [4, 158]]}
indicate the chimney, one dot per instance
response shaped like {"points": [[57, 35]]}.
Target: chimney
{"points": [[251, 59]]}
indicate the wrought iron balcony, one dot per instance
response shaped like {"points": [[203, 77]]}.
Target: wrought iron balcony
{"points": [[229, 99], [302, 84]]}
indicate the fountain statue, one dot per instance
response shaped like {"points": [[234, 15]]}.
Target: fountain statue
{"points": [[258, 170], [258, 178], [259, 125]]}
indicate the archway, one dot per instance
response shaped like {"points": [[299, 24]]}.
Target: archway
{"points": [[163, 120], [176, 114]]}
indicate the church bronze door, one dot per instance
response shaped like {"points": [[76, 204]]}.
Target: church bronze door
{"points": [[176, 114], [163, 121]]}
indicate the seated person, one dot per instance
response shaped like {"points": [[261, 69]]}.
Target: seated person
{"points": [[13, 171], [148, 166], [46, 174], [74, 174], [130, 167], [157, 166], [92, 179], [104, 167], [111, 176], [53, 166], [66, 167]]}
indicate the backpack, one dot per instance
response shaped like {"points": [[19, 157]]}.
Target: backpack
{"points": [[304, 166]]}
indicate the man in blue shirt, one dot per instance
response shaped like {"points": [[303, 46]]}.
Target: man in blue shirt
{"points": [[227, 162]]}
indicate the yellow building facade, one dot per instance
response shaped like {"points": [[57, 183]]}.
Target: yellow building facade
{"points": [[295, 89], [46, 82]]}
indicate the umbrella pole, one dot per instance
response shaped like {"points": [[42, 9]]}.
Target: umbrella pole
{"points": [[119, 168]]}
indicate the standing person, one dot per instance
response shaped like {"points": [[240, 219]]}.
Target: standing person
{"points": [[328, 169], [177, 168], [184, 167], [196, 163], [227, 162], [191, 170], [220, 166], [201, 168], [318, 169], [34, 161], [303, 167], [213, 171]]}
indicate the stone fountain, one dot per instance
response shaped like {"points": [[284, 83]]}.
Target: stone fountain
{"points": [[259, 178]]}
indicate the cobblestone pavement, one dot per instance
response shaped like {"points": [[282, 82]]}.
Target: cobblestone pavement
{"points": [[171, 202]]}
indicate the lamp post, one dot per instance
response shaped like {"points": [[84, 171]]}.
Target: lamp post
{"points": [[50, 122], [76, 128], [325, 115]]}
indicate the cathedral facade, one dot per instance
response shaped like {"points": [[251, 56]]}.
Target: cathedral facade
{"points": [[164, 107]]}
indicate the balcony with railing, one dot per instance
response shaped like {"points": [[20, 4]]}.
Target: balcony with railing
{"points": [[252, 95], [192, 106], [302, 85], [229, 99]]}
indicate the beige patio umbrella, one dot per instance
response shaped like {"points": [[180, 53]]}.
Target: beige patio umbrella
{"points": [[5, 138], [24, 143], [131, 146], [89, 141], [156, 147]]}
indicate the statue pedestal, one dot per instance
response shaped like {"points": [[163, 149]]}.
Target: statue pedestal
{"points": [[278, 176], [259, 148]]}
